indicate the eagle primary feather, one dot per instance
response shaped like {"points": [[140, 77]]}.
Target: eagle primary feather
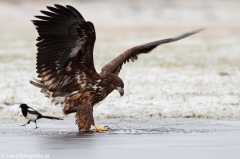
{"points": [[65, 63], [132, 54]]}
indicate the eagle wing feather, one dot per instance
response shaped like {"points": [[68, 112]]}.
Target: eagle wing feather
{"points": [[65, 50], [132, 54]]}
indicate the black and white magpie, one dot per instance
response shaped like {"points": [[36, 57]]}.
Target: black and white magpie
{"points": [[33, 115]]}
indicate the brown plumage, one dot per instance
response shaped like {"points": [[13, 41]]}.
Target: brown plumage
{"points": [[65, 64]]}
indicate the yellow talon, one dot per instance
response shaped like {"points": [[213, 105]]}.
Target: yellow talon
{"points": [[99, 128]]}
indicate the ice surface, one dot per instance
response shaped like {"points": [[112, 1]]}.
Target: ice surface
{"points": [[197, 77], [191, 138]]}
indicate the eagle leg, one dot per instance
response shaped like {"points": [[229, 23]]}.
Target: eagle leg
{"points": [[84, 117], [100, 128]]}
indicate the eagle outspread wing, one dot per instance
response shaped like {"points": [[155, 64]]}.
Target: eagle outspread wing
{"points": [[65, 51], [65, 60], [132, 54]]}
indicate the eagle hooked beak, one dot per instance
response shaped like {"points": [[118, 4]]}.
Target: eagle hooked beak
{"points": [[120, 90]]}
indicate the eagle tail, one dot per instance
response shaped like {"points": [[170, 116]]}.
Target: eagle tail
{"points": [[51, 117]]}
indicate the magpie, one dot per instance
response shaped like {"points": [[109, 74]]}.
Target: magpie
{"points": [[33, 115]]}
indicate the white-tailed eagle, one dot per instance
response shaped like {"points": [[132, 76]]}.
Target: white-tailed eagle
{"points": [[65, 64]]}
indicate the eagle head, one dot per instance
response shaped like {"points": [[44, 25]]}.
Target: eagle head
{"points": [[118, 84]]}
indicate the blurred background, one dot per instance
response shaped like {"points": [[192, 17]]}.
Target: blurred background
{"points": [[197, 77]]}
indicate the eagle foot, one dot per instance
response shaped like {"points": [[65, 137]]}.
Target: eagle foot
{"points": [[100, 128]]}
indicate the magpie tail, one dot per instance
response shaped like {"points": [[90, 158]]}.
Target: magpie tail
{"points": [[51, 117]]}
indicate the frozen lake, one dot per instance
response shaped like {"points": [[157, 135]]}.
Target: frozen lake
{"points": [[166, 138]]}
